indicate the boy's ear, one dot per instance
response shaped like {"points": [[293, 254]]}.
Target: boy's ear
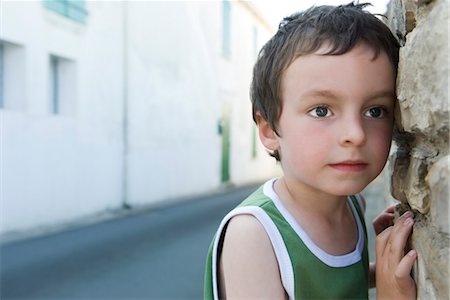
{"points": [[267, 135]]}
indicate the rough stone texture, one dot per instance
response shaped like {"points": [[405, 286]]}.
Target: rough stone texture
{"points": [[420, 165], [437, 180]]}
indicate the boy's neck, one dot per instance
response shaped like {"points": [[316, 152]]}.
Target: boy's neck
{"points": [[309, 199], [326, 219]]}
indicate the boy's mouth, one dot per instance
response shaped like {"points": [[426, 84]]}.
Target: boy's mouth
{"points": [[350, 166]]}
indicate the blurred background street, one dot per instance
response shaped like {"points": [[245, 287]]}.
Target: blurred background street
{"points": [[155, 254], [159, 254], [114, 117]]}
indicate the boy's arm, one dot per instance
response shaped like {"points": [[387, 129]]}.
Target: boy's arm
{"points": [[393, 267], [248, 265]]}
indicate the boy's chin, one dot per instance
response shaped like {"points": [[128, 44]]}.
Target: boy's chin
{"points": [[351, 190]]}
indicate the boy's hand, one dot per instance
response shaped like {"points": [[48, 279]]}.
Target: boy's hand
{"points": [[384, 220], [393, 267]]}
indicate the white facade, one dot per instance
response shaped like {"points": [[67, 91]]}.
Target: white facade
{"points": [[141, 89]]}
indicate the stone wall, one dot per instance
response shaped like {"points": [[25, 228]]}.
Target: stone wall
{"points": [[420, 165]]}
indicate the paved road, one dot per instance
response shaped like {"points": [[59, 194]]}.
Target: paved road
{"points": [[155, 255], [159, 254]]}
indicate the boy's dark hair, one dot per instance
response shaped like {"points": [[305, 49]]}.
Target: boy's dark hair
{"points": [[342, 27]]}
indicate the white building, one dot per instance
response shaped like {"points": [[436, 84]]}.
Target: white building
{"points": [[108, 104]]}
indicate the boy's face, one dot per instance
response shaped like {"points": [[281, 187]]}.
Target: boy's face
{"points": [[336, 124]]}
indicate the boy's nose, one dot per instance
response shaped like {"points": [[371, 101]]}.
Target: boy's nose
{"points": [[352, 132]]}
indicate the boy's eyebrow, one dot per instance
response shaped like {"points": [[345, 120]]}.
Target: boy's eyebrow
{"points": [[384, 94], [321, 93], [332, 95]]}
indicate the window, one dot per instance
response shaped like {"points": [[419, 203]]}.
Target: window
{"points": [[226, 28], [12, 76], [54, 82], [62, 86], [72, 9]]}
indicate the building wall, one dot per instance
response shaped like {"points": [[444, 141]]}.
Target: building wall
{"points": [[178, 70], [147, 88], [247, 164], [173, 141], [58, 167], [421, 162]]}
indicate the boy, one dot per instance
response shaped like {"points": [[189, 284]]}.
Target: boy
{"points": [[323, 95]]}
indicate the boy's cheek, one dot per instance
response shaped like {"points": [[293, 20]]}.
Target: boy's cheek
{"points": [[387, 136], [380, 148], [381, 134]]}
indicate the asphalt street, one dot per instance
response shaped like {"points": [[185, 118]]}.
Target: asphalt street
{"points": [[156, 254], [159, 254]]}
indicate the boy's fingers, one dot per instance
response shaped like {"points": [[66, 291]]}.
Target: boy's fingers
{"points": [[382, 222], [381, 241], [388, 217], [391, 209], [393, 239], [389, 214], [404, 268], [399, 237]]}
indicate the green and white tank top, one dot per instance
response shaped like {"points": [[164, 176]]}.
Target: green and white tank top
{"points": [[307, 271]]}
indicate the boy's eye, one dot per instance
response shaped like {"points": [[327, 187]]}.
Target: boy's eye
{"points": [[375, 112], [320, 112]]}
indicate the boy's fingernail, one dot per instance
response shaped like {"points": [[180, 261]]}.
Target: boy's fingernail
{"points": [[408, 214], [408, 221], [412, 253]]}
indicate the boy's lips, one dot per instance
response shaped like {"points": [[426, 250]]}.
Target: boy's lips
{"points": [[350, 165]]}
